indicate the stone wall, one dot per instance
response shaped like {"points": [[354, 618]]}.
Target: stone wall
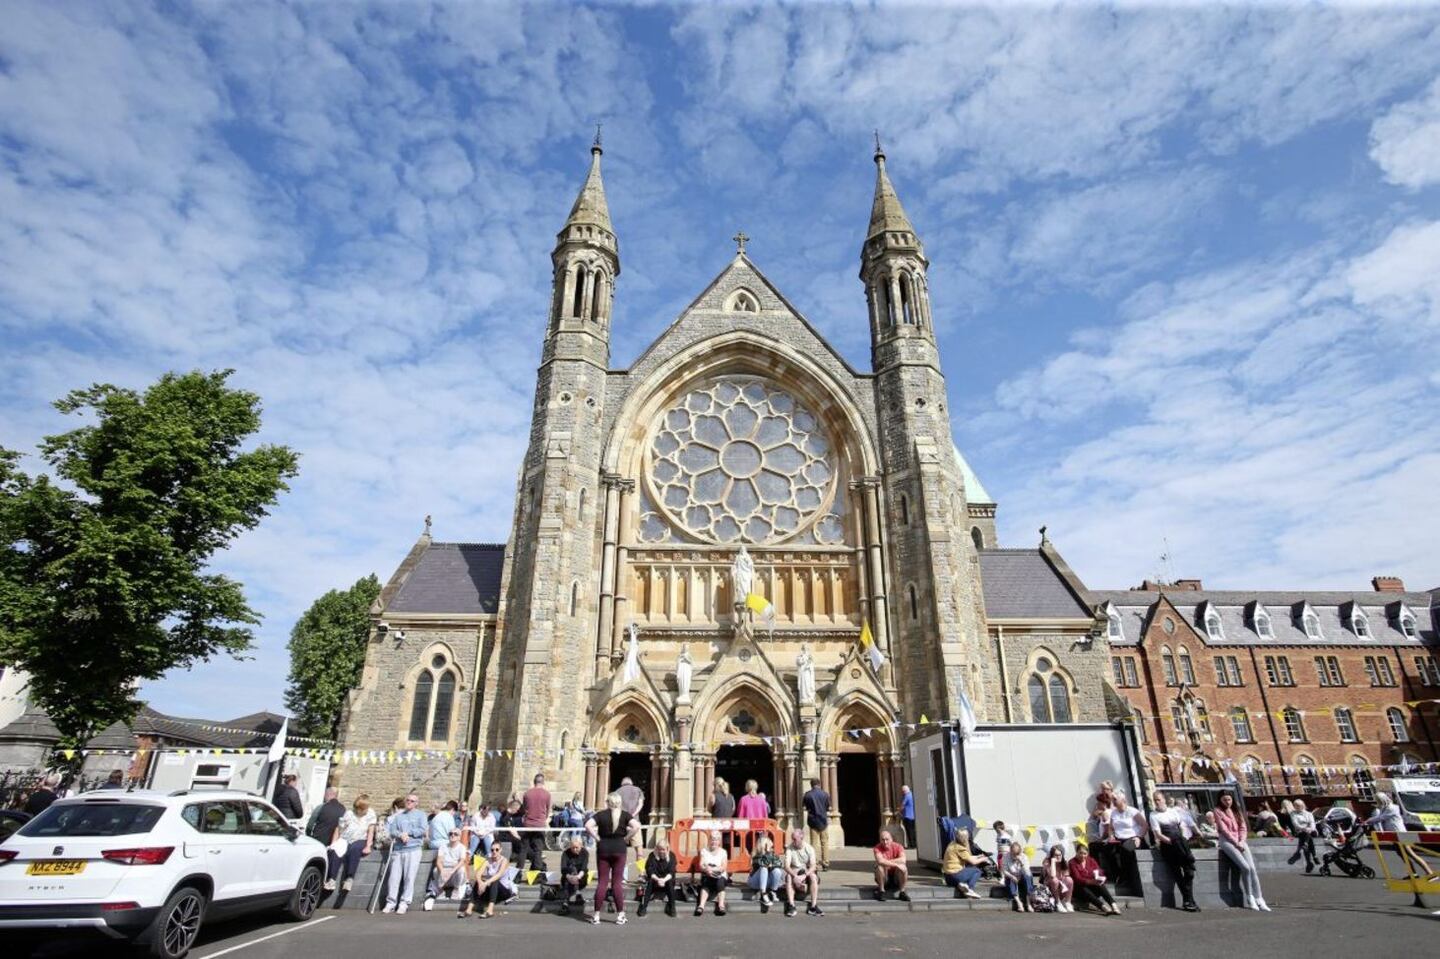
{"points": [[1087, 664]]}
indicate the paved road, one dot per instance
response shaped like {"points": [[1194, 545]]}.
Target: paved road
{"points": [[1313, 917]]}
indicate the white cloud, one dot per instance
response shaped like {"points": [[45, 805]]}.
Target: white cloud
{"points": [[1405, 142]]}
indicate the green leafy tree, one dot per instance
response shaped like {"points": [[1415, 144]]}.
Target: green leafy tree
{"points": [[103, 569], [327, 652]]}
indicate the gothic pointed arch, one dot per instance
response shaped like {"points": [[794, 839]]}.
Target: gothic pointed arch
{"points": [[631, 720], [858, 709], [720, 713]]}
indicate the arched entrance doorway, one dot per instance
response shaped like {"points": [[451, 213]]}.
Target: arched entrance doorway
{"points": [[859, 770], [738, 763], [743, 737], [629, 744]]}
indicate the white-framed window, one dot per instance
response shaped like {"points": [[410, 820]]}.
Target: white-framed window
{"points": [[1294, 724], [1263, 627], [1309, 778], [1227, 671], [1240, 723], [1408, 626], [1378, 671], [1311, 624], [434, 701], [1277, 671], [1116, 629], [1254, 771], [1327, 670], [1362, 777], [1428, 669], [1359, 623], [1124, 668], [1399, 731], [1213, 629], [1167, 665], [1187, 668], [1345, 723]]}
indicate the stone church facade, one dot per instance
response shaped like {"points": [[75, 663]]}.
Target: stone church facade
{"points": [[739, 425]]}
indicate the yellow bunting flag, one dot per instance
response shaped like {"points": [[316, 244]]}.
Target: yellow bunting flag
{"points": [[530, 876], [924, 720]]}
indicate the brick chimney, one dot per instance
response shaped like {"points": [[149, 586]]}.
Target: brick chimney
{"points": [[1152, 586], [1388, 584], [1191, 585]]}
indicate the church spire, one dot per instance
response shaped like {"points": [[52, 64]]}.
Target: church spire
{"points": [[590, 208], [886, 213]]}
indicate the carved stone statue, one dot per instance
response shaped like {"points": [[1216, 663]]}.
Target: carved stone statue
{"points": [[742, 575], [805, 670], [631, 669], [683, 669]]}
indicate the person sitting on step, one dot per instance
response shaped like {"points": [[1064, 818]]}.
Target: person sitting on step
{"points": [[1016, 870], [713, 876], [802, 872], [660, 878], [574, 874], [891, 871], [767, 872], [961, 866]]}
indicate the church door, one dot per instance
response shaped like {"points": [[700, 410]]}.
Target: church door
{"points": [[636, 765], [736, 764], [858, 785]]}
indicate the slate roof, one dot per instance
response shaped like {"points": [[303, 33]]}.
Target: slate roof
{"points": [[34, 725], [458, 578], [1237, 620], [177, 729], [1022, 583]]}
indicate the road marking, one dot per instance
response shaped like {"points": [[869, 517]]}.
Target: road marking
{"points": [[274, 935]]}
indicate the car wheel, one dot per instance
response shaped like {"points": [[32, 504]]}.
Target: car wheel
{"points": [[306, 898], [178, 923]]}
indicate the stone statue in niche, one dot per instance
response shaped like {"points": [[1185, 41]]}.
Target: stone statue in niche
{"points": [[742, 576], [683, 670], [805, 671]]}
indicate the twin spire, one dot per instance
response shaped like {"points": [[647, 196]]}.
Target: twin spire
{"points": [[887, 215]]}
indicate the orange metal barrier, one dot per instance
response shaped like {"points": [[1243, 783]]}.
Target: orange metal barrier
{"points": [[738, 836]]}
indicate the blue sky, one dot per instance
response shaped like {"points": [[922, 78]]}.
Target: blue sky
{"points": [[1185, 263]]}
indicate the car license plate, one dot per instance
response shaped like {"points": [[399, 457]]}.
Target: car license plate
{"points": [[57, 867]]}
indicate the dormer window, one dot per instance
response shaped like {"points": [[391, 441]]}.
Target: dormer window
{"points": [[1359, 622], [1408, 623], [1115, 628], [1212, 625], [1263, 627], [1310, 622]]}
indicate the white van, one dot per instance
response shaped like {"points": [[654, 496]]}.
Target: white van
{"points": [[1418, 797]]}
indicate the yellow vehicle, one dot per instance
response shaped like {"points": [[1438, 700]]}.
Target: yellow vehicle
{"points": [[1418, 798]]}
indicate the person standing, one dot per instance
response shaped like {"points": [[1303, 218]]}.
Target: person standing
{"points": [[801, 873], [817, 821], [907, 815], [1233, 832], [407, 835], [325, 826], [1302, 822], [632, 800], [574, 874], [287, 798], [722, 803], [42, 797], [891, 869], [753, 805], [357, 831], [611, 828], [536, 815], [1172, 839], [116, 780], [659, 877]]}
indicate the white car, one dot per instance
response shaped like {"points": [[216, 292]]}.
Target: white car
{"points": [[152, 866]]}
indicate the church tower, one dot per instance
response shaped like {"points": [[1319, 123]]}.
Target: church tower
{"points": [[935, 614], [546, 634]]}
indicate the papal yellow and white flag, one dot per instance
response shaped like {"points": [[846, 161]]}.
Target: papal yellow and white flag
{"points": [[763, 609], [870, 647]]}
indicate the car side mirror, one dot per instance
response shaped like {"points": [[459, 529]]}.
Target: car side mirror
{"points": [[291, 833]]}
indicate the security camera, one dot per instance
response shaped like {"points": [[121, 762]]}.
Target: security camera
{"points": [[382, 627], [399, 635]]}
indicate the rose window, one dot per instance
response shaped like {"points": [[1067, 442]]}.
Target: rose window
{"points": [[739, 460]]}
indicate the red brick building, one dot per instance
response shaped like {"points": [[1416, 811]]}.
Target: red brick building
{"points": [[1291, 693]]}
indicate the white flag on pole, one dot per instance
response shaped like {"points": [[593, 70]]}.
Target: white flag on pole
{"points": [[632, 660], [967, 716], [277, 748]]}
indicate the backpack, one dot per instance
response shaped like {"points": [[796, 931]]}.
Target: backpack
{"points": [[1041, 900]]}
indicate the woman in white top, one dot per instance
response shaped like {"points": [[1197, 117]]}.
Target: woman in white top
{"points": [[1016, 870], [481, 827], [713, 875], [357, 832], [1170, 830], [1302, 823], [1127, 825]]}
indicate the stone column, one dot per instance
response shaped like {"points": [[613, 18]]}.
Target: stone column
{"points": [[611, 483], [662, 804], [625, 490], [869, 487], [591, 762], [602, 779]]}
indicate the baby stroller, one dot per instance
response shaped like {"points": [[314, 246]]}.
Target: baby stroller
{"points": [[1345, 855]]}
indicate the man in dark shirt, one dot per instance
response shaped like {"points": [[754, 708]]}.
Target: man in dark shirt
{"points": [[817, 821], [536, 814], [574, 874], [287, 798], [116, 780], [325, 823], [41, 798]]}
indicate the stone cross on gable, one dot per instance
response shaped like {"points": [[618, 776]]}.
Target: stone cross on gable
{"points": [[740, 240]]}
